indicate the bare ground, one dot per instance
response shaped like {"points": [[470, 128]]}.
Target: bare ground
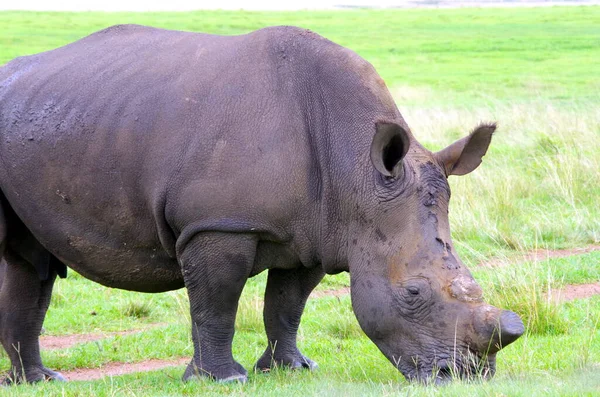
{"points": [[540, 255], [575, 291], [330, 292], [50, 342], [568, 293], [116, 369]]}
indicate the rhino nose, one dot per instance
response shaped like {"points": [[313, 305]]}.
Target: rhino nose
{"points": [[495, 328], [511, 327]]}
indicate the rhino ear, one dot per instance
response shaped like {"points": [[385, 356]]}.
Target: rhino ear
{"points": [[464, 155], [390, 145]]}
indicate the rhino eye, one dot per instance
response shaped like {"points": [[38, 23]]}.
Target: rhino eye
{"points": [[413, 297], [413, 290]]}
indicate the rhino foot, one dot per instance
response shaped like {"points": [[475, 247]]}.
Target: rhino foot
{"points": [[33, 375], [292, 361], [222, 374]]}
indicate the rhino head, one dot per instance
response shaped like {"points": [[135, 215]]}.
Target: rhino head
{"points": [[410, 292]]}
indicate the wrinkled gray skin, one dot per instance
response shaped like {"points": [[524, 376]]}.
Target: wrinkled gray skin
{"points": [[152, 160]]}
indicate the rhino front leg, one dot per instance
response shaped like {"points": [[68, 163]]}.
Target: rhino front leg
{"points": [[215, 268], [24, 300], [285, 297]]}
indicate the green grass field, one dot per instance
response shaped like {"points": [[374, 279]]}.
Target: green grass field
{"points": [[535, 71]]}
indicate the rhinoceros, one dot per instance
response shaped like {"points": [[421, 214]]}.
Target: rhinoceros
{"points": [[152, 160]]}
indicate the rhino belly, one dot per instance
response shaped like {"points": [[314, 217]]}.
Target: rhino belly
{"points": [[100, 237], [136, 267]]}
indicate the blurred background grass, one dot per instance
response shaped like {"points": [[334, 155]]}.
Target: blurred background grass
{"points": [[464, 55]]}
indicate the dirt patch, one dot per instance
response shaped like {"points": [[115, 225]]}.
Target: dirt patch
{"points": [[575, 291], [330, 292], [540, 255], [117, 369], [66, 341]]}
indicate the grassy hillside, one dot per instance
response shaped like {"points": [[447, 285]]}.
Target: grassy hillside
{"points": [[461, 54], [535, 71]]}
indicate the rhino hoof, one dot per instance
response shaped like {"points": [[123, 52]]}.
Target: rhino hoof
{"points": [[50, 375], [266, 364], [234, 378], [33, 376], [304, 363], [234, 373]]}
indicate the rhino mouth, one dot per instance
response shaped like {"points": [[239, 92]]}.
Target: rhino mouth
{"points": [[470, 367]]}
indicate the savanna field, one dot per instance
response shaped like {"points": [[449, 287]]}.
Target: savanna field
{"points": [[533, 70]]}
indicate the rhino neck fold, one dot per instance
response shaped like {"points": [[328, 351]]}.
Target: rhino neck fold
{"points": [[339, 140]]}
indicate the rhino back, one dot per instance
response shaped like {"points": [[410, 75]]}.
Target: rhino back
{"points": [[117, 146]]}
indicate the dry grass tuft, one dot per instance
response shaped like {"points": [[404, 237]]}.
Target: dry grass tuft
{"points": [[538, 184]]}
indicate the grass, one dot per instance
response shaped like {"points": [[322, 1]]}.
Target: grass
{"points": [[458, 55], [537, 186], [529, 289], [532, 70], [565, 362], [167, 383]]}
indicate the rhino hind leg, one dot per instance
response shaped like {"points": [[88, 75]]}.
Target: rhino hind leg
{"points": [[24, 300], [285, 298], [215, 268]]}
